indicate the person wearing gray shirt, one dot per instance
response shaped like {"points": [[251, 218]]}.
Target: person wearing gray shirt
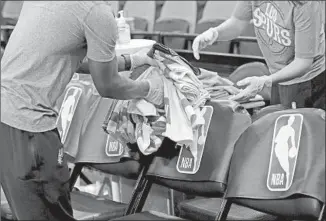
{"points": [[291, 36], [46, 48]]}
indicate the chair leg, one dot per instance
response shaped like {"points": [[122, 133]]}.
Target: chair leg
{"points": [[74, 175], [143, 196], [141, 185], [322, 213], [85, 179], [224, 211]]}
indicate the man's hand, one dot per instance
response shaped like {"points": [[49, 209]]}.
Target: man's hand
{"points": [[141, 58], [254, 86]]}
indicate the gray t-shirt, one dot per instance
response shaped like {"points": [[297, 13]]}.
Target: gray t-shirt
{"points": [[45, 49], [285, 31]]}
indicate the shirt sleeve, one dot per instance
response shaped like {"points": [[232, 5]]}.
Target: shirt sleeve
{"points": [[243, 10], [101, 33], [306, 30]]}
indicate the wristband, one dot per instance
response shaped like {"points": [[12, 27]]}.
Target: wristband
{"points": [[127, 61]]}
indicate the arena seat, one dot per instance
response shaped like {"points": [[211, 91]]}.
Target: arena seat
{"points": [[218, 10], [249, 48], [84, 132], [289, 184], [74, 104], [209, 180], [143, 21], [174, 19], [11, 11], [222, 46], [215, 13], [267, 110]]}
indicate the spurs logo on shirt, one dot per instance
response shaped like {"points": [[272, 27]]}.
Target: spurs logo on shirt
{"points": [[269, 22]]}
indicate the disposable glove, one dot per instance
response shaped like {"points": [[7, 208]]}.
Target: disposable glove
{"points": [[156, 91], [254, 86], [141, 58], [203, 40]]}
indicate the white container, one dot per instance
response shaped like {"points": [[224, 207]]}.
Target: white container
{"points": [[124, 29]]}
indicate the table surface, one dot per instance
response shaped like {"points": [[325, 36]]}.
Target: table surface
{"points": [[134, 45]]}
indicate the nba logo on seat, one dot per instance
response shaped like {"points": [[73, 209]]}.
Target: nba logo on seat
{"points": [[113, 147], [190, 155], [67, 111], [284, 153]]}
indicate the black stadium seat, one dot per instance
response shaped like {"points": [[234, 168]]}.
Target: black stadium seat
{"points": [[292, 187], [209, 180]]}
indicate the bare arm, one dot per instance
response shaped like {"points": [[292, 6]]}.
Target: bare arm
{"points": [[307, 31], [101, 33], [111, 84], [234, 26], [295, 69], [231, 29]]}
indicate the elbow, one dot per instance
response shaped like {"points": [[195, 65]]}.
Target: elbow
{"points": [[104, 90], [304, 63]]}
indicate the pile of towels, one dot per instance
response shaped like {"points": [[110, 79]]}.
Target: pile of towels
{"points": [[138, 121], [186, 90]]}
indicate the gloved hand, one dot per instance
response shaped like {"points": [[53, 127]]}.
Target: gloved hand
{"points": [[141, 58], [254, 86], [203, 40], [156, 91]]}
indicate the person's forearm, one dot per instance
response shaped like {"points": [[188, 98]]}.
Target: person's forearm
{"points": [[230, 29], [121, 64], [123, 88], [295, 69]]}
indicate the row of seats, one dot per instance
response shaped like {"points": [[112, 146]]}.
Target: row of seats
{"points": [[227, 166], [218, 170], [172, 19], [168, 16]]}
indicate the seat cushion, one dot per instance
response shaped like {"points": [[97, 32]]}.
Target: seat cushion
{"points": [[141, 24], [207, 209], [85, 206], [149, 215], [90, 207]]}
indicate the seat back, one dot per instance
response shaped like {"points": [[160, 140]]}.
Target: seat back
{"points": [[222, 46], [217, 10], [202, 169], [175, 10], [278, 165], [267, 110], [173, 25], [250, 48], [136, 9], [74, 103]]}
